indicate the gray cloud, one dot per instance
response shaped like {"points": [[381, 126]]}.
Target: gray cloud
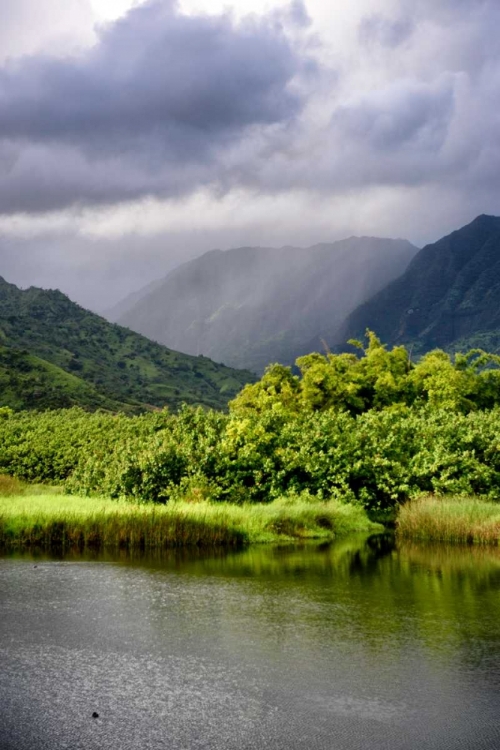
{"points": [[420, 111], [408, 113], [164, 104], [147, 110], [389, 32], [402, 138]]}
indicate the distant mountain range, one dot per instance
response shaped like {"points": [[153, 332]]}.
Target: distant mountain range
{"points": [[449, 296], [251, 306], [53, 353]]}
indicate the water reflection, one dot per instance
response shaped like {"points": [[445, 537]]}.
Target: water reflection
{"points": [[363, 643]]}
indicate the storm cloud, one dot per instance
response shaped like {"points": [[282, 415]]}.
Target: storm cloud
{"points": [[146, 110], [167, 132]]}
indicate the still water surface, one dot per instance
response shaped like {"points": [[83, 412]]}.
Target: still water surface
{"points": [[356, 645]]}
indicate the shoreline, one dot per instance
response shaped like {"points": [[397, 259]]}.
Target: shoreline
{"points": [[71, 521], [34, 518]]}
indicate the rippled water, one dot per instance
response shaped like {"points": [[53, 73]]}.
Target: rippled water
{"points": [[356, 645]]}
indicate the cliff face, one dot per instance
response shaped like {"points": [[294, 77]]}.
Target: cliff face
{"points": [[449, 292]]}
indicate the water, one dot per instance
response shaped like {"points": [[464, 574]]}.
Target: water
{"points": [[357, 645]]}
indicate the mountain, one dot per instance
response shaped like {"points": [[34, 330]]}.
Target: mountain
{"points": [[449, 296], [251, 306], [55, 353], [113, 314]]}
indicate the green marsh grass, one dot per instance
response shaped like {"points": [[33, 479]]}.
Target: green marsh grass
{"points": [[450, 519], [10, 486], [62, 520]]}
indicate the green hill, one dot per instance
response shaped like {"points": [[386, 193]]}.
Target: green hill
{"points": [[54, 353], [449, 296], [28, 382], [251, 306]]}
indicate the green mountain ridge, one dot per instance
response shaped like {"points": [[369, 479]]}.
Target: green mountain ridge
{"points": [[251, 306], [449, 296], [54, 353]]}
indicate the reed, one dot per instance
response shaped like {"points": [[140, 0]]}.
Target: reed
{"points": [[61, 520], [468, 520]]}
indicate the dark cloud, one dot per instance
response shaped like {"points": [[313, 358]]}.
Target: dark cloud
{"points": [[164, 104], [148, 109], [406, 114], [402, 138], [158, 74]]}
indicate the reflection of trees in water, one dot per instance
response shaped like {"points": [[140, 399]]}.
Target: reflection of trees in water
{"points": [[370, 591], [433, 596]]}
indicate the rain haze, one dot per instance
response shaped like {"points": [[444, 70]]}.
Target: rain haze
{"points": [[134, 136]]}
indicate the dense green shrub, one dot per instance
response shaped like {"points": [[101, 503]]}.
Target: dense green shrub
{"points": [[378, 459], [49, 446], [374, 430]]}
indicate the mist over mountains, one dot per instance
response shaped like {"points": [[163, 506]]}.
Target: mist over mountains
{"points": [[251, 306]]}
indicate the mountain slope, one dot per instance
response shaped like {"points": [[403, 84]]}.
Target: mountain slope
{"points": [[90, 361], [29, 382], [448, 296], [251, 306]]}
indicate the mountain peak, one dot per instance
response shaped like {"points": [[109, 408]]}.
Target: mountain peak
{"points": [[449, 293], [484, 222], [486, 219]]}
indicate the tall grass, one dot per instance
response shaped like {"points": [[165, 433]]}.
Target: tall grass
{"points": [[10, 486], [50, 520], [451, 519]]}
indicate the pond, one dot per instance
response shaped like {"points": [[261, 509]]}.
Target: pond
{"points": [[359, 644]]}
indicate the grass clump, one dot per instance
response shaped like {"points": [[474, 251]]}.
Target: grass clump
{"points": [[10, 486], [49, 520], [450, 519]]}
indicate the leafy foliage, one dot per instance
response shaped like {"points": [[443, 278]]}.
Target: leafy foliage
{"points": [[373, 430], [378, 379]]}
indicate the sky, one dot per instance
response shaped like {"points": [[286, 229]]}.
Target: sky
{"points": [[137, 135]]}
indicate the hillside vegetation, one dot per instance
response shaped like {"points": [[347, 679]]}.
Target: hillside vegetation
{"points": [[53, 353]]}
